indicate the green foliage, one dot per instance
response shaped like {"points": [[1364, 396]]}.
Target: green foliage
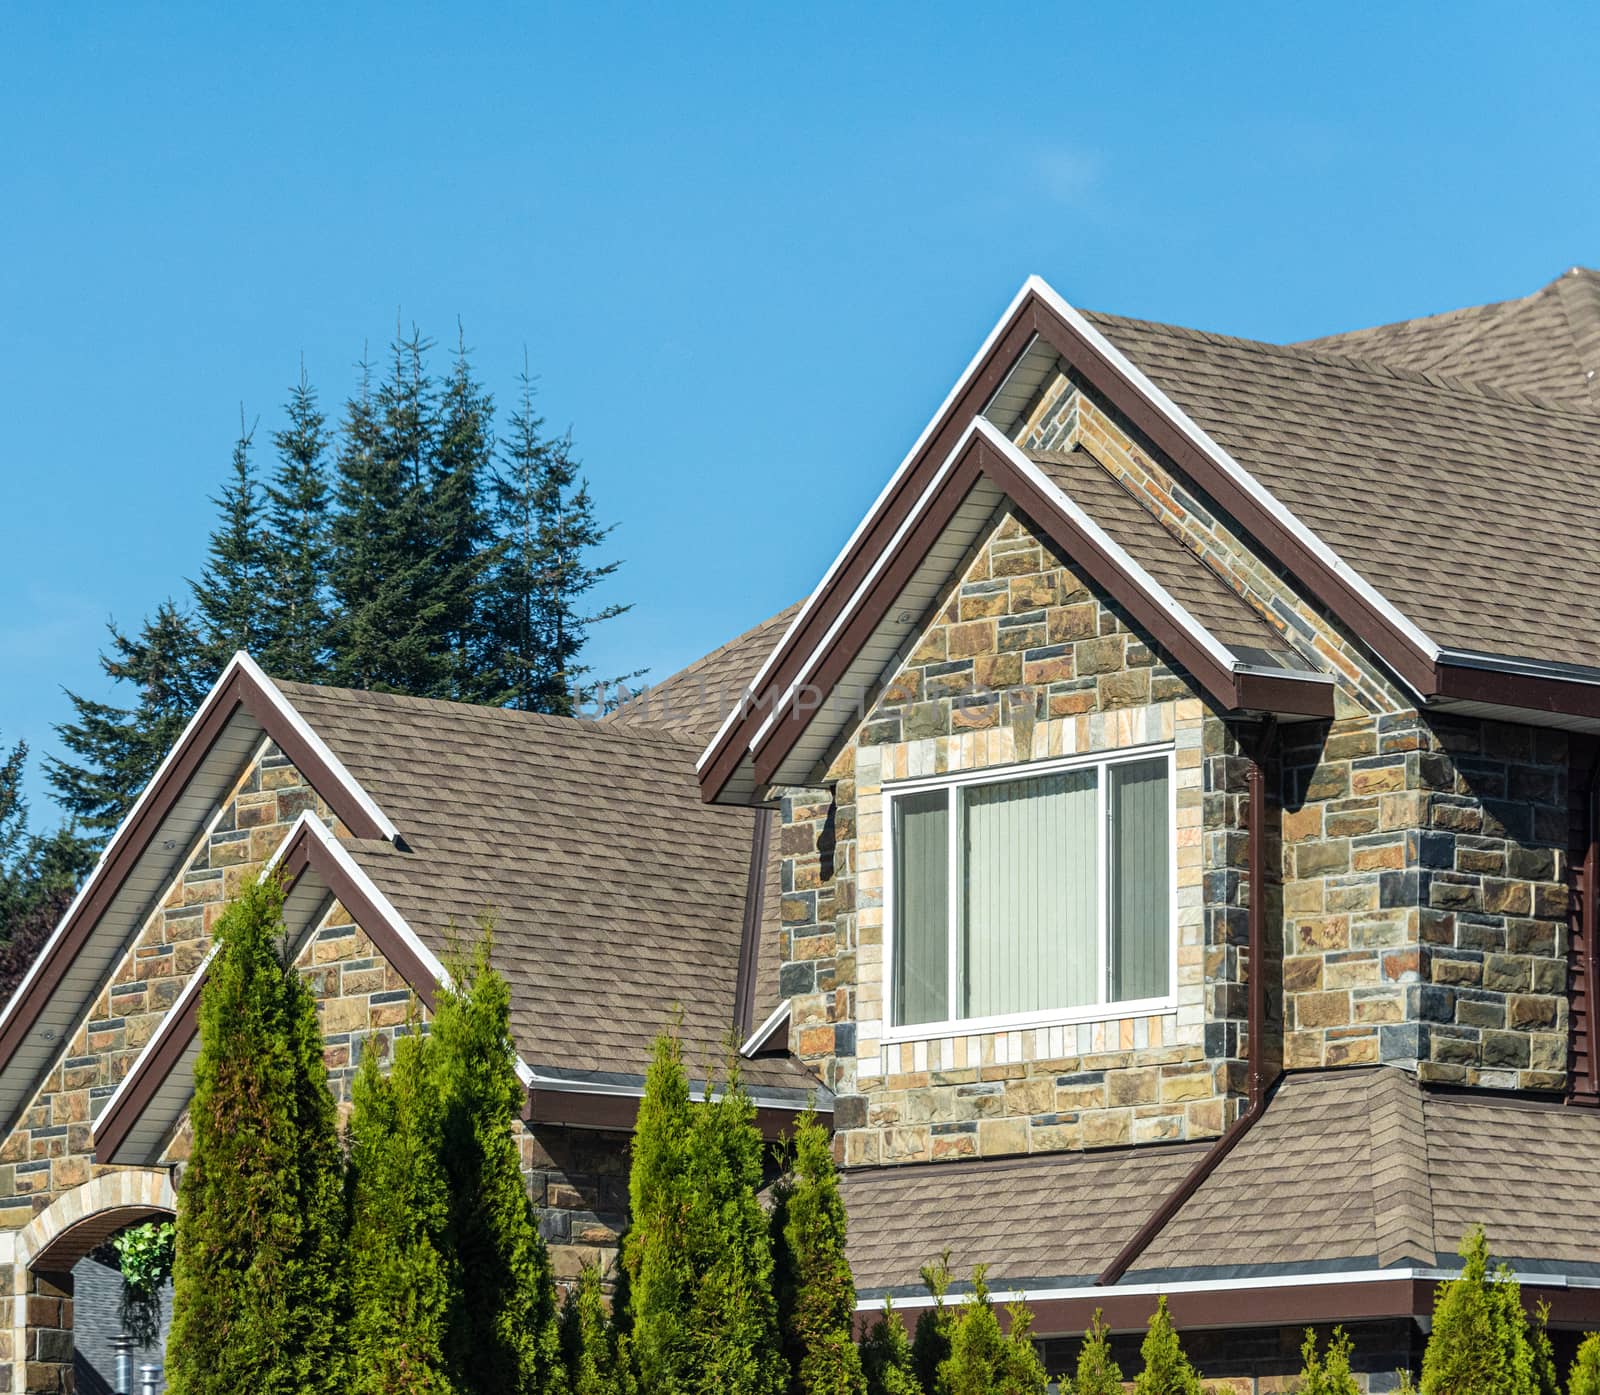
{"points": [[1584, 1378], [1097, 1373], [298, 547], [259, 1295], [1481, 1341], [34, 869], [144, 1258], [656, 1247], [886, 1359], [1166, 1369], [983, 1360], [402, 1277], [816, 1294], [503, 1334], [230, 598], [546, 521], [595, 1364], [1327, 1374], [930, 1347], [732, 1321]]}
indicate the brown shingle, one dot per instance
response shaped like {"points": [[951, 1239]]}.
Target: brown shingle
{"points": [[616, 894], [1457, 502]]}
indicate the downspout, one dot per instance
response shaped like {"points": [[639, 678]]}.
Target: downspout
{"points": [[1590, 967], [1257, 1084]]}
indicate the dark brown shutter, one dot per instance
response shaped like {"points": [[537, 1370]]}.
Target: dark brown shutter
{"points": [[1583, 981]]}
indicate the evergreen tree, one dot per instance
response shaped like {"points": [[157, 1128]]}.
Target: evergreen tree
{"points": [[655, 1249], [389, 614], [503, 1335], [985, 1361], [589, 1344], [548, 529], [230, 596], [121, 747], [1584, 1378], [816, 1295], [298, 620], [1098, 1373], [930, 1347], [462, 532], [1166, 1369], [257, 1298], [1328, 1374], [1481, 1341], [886, 1359], [732, 1321], [400, 1205], [17, 886]]}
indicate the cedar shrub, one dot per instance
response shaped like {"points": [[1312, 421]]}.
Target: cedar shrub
{"points": [[1097, 1373], [886, 1359], [983, 1360], [1481, 1342], [1584, 1378], [1327, 1374], [930, 1346], [590, 1349], [1166, 1369]]}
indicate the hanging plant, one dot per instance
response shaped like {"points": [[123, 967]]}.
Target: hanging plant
{"points": [[144, 1255]]}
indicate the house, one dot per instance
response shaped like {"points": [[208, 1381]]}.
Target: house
{"points": [[1161, 844]]}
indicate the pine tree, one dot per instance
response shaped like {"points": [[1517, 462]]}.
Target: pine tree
{"points": [[230, 596], [1098, 1373], [1328, 1374], [298, 621], [886, 1359], [930, 1347], [816, 1295], [1481, 1340], [503, 1336], [1166, 1369], [655, 1249], [121, 747], [547, 526], [589, 1345], [462, 532], [17, 886], [985, 1361], [1584, 1378], [732, 1323], [257, 1297], [399, 1200]]}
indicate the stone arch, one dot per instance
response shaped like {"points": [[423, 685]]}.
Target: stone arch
{"points": [[44, 1253]]}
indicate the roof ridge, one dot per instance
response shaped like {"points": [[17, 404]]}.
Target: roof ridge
{"points": [[1578, 294], [1402, 1217], [1380, 368], [706, 658], [512, 715]]}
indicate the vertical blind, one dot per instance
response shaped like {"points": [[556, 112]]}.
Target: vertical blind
{"points": [[1140, 901], [1031, 894], [922, 907], [1025, 917]]}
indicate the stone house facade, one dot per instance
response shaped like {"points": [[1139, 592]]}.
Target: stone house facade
{"points": [[1158, 848]]}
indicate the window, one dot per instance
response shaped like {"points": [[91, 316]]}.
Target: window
{"points": [[1022, 897]]}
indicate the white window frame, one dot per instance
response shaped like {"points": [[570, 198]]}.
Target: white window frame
{"points": [[1101, 1010]]}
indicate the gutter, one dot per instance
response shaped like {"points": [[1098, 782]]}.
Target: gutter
{"points": [[1256, 1013]]}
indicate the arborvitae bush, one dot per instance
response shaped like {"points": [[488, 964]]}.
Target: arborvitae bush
{"points": [[886, 1359], [816, 1295], [1166, 1369], [1328, 1374], [985, 1361], [402, 1278], [1481, 1342], [930, 1346], [732, 1323], [502, 1337], [1097, 1373], [259, 1296], [655, 1250], [1584, 1378], [589, 1347]]}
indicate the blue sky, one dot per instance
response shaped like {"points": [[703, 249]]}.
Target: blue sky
{"points": [[747, 249]]}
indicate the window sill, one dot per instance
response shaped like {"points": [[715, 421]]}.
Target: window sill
{"points": [[1030, 1022]]}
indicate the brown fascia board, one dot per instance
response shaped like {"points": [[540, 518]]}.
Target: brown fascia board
{"points": [[617, 1112], [241, 688], [305, 851], [1287, 1305], [1251, 691]]}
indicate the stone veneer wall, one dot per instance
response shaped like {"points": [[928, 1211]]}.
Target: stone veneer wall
{"points": [[50, 1151], [1424, 898], [1022, 662]]}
